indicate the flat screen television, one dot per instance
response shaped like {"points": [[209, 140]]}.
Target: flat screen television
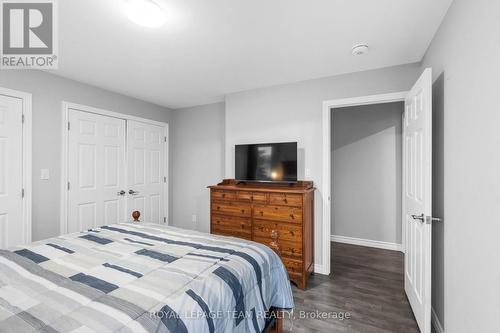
{"points": [[266, 162]]}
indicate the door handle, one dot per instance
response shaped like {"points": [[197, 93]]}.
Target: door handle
{"points": [[420, 218], [122, 192], [132, 192]]}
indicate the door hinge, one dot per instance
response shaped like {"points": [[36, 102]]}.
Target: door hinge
{"points": [[22, 193], [22, 119], [164, 179], [68, 186], [164, 220], [165, 138], [69, 125]]}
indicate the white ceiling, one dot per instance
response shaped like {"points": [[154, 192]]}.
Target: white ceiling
{"points": [[210, 48]]}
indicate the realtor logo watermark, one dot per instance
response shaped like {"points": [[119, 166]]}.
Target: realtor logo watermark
{"points": [[29, 36]]}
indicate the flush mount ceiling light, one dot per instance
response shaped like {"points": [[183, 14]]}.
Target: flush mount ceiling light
{"points": [[359, 49], [145, 12]]}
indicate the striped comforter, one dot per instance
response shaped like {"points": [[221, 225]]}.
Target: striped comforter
{"points": [[140, 278]]}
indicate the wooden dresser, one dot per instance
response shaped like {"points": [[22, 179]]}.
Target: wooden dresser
{"points": [[280, 216]]}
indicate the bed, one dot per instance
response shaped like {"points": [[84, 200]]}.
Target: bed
{"points": [[139, 277]]}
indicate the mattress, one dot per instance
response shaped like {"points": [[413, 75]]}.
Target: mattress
{"points": [[140, 278]]}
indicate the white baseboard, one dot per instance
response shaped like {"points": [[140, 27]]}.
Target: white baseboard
{"points": [[318, 269], [436, 323], [366, 242]]}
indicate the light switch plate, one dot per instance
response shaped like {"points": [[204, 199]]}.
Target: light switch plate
{"points": [[44, 174]]}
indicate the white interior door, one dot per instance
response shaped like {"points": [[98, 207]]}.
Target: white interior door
{"points": [[12, 228], [417, 198], [146, 176], [96, 170]]}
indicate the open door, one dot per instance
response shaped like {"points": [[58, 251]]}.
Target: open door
{"points": [[417, 198]]}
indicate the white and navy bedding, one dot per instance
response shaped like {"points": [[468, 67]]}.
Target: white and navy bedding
{"points": [[140, 278]]}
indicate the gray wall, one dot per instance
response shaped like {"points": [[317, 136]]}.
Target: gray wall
{"points": [[197, 161], [48, 92], [293, 112], [366, 172], [465, 57]]}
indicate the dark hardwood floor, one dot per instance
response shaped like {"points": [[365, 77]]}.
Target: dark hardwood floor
{"points": [[367, 283]]}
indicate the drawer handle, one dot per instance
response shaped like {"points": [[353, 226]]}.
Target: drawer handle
{"points": [[218, 207], [242, 226], [292, 233], [293, 217], [274, 243], [275, 234], [223, 195], [261, 213], [285, 200], [242, 211]]}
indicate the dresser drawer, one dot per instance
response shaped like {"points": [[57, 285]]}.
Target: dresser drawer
{"points": [[230, 231], [259, 197], [286, 232], [232, 208], [232, 222], [289, 236], [251, 196], [288, 249], [223, 195], [278, 213], [285, 199], [244, 196]]}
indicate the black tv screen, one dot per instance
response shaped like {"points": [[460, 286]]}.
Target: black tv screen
{"points": [[269, 162]]}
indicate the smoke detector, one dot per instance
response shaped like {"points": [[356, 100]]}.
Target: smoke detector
{"points": [[359, 49]]}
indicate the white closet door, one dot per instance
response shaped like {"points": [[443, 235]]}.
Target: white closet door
{"points": [[11, 167], [146, 171], [96, 160]]}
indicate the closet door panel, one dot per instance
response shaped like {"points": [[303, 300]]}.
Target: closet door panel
{"points": [[96, 170], [145, 169]]}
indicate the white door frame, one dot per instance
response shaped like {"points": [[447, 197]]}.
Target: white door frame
{"points": [[66, 106], [27, 156], [324, 267]]}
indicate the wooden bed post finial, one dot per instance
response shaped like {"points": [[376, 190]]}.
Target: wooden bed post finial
{"points": [[136, 215]]}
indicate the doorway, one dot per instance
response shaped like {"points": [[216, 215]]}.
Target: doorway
{"points": [[113, 164], [416, 189], [325, 266], [15, 168], [366, 187]]}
